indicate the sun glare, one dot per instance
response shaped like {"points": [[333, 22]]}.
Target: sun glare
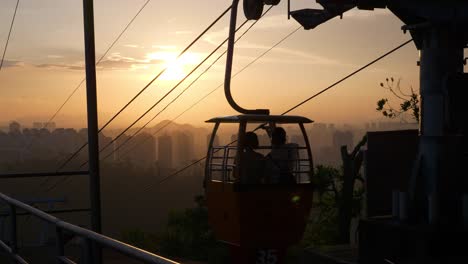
{"points": [[176, 68]]}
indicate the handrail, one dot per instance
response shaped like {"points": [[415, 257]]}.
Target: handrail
{"points": [[43, 174], [88, 235]]}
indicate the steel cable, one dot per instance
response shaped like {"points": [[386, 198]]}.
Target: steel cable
{"points": [[292, 108]]}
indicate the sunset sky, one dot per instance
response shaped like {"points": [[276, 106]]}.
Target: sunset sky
{"points": [[45, 61]]}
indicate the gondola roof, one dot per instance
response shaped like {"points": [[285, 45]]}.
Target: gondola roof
{"points": [[281, 119]]}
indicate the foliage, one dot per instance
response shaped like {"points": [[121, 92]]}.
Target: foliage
{"points": [[409, 102], [140, 239], [322, 229], [187, 235]]}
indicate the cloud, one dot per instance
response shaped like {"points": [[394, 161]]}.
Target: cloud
{"points": [[267, 23], [164, 47], [134, 46], [52, 56], [274, 21], [118, 62], [12, 63], [216, 37], [290, 56], [115, 61], [53, 66]]}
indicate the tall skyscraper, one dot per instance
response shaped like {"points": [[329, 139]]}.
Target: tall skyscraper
{"points": [[165, 152], [342, 138], [15, 128], [184, 144]]}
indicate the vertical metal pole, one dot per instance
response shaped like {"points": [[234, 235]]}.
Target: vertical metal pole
{"points": [[93, 144], [87, 251], [59, 244], [441, 55], [13, 235]]}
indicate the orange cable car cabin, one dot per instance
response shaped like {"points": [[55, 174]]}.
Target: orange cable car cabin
{"points": [[252, 209]]}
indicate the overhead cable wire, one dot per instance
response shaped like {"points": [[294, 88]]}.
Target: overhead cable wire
{"points": [[167, 94], [233, 76], [349, 76], [99, 61], [293, 108], [161, 99], [183, 91], [103, 56], [217, 59], [9, 35], [71, 157], [200, 100], [170, 122]]}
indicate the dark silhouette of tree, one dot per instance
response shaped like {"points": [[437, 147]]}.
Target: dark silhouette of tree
{"points": [[351, 172], [324, 229], [187, 235], [409, 102]]}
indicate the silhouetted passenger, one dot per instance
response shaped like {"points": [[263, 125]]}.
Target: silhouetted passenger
{"points": [[282, 159], [253, 162]]}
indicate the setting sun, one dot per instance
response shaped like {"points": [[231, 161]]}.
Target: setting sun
{"points": [[177, 68]]}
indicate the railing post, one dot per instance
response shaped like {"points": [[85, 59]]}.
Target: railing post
{"points": [[87, 255], [60, 247], [13, 235]]}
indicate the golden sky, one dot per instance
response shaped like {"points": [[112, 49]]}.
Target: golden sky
{"points": [[45, 60]]}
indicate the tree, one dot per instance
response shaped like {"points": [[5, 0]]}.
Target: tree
{"points": [[409, 102], [351, 167], [187, 235], [324, 229]]}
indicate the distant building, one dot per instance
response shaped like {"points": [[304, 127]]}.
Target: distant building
{"points": [[319, 126], [184, 148], [342, 138], [37, 125], [140, 150], [47, 125], [50, 126], [15, 128], [298, 139], [120, 149], [165, 152]]}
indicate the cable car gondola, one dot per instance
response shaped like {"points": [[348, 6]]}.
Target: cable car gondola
{"points": [[250, 207]]}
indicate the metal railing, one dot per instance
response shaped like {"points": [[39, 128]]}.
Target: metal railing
{"points": [[43, 174], [61, 227], [222, 161]]}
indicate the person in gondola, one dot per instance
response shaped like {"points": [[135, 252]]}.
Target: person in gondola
{"points": [[253, 162], [281, 161]]}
